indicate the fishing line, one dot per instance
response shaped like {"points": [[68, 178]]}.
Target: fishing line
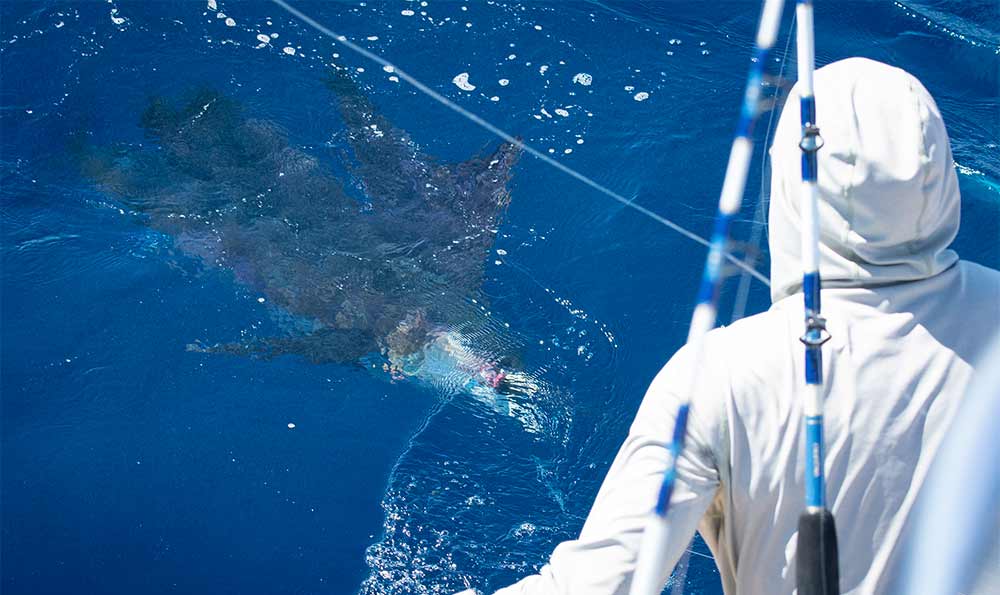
{"points": [[759, 216], [482, 123]]}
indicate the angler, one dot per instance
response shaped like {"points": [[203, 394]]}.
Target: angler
{"points": [[907, 320]]}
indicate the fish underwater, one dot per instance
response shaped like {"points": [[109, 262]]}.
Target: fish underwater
{"points": [[386, 276]]}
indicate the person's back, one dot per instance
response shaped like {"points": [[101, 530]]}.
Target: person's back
{"points": [[896, 367], [907, 320]]}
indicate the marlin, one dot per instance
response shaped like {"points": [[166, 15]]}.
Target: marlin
{"points": [[389, 272]]}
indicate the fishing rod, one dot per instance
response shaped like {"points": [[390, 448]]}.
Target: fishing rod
{"points": [[653, 550], [816, 566]]}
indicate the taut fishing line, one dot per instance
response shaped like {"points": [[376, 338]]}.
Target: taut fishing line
{"points": [[482, 123], [763, 198]]}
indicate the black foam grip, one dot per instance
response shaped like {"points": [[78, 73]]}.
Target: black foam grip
{"points": [[816, 564]]}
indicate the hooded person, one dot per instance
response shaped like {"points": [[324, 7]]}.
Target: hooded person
{"points": [[908, 320]]}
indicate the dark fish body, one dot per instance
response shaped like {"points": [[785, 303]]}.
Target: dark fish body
{"points": [[389, 275]]}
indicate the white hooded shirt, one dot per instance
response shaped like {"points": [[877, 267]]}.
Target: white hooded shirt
{"points": [[908, 320]]}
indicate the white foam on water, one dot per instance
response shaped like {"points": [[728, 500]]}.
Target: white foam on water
{"points": [[503, 82], [582, 78], [542, 69], [495, 98], [461, 81], [567, 151], [967, 171], [538, 27], [230, 22], [388, 68], [407, 12], [394, 78], [629, 88], [512, 57], [372, 38], [545, 113], [560, 111], [641, 96], [360, 69], [212, 5], [291, 426], [263, 38], [289, 50]]}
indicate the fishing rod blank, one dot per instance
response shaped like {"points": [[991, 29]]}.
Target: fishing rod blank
{"points": [[816, 567], [648, 579]]}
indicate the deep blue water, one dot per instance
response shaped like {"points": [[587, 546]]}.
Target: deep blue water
{"points": [[133, 465]]}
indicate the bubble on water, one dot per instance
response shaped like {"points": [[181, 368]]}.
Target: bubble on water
{"points": [[512, 57], [579, 141], [562, 112], [261, 300], [394, 79], [582, 78], [538, 27], [230, 22], [291, 426], [212, 5], [495, 98], [501, 252], [360, 69], [542, 69], [641, 96], [674, 42], [407, 12], [503, 82], [372, 38], [461, 81], [274, 36], [629, 88], [288, 50], [263, 38], [388, 68], [567, 151]]}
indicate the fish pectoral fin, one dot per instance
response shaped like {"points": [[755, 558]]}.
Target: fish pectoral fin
{"points": [[321, 347]]}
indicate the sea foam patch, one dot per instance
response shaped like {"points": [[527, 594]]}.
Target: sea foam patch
{"points": [[461, 81]]}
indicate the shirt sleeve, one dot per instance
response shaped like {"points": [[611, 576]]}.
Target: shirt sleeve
{"points": [[602, 560]]}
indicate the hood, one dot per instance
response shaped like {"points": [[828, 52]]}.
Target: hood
{"points": [[888, 193]]}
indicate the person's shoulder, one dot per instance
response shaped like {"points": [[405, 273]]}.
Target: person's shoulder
{"points": [[978, 272], [761, 331]]}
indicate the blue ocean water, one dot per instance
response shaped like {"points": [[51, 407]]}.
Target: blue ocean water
{"points": [[132, 464]]}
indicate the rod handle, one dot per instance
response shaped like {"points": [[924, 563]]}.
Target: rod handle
{"points": [[816, 565]]}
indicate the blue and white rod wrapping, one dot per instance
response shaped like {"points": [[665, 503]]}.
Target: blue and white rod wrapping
{"points": [[815, 327], [817, 563], [649, 574]]}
